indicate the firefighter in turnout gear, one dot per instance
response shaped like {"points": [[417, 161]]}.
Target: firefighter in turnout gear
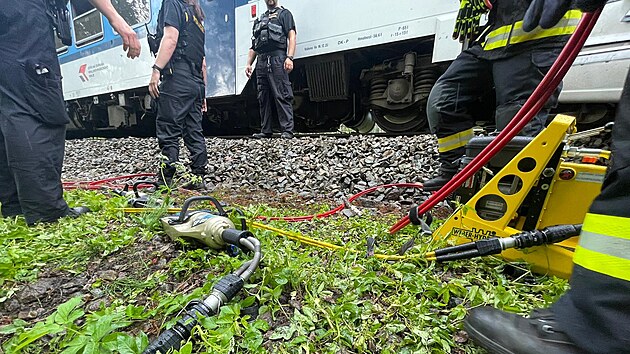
{"points": [[273, 42], [594, 315], [504, 64], [178, 84]]}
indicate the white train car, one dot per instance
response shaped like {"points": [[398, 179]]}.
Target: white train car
{"points": [[349, 65]]}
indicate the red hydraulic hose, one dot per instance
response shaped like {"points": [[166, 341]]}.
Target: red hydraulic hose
{"points": [[341, 207], [533, 105], [95, 185]]}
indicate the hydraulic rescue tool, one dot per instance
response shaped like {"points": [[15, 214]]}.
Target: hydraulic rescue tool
{"points": [[531, 184], [216, 230]]}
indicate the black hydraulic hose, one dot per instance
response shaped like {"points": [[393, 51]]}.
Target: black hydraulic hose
{"points": [[495, 245], [222, 292]]}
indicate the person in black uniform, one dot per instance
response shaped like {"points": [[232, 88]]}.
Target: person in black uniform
{"points": [[179, 65], [33, 115], [503, 63], [594, 315], [273, 42]]}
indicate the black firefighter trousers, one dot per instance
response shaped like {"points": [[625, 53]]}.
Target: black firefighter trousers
{"points": [[179, 114], [595, 312], [274, 88], [454, 101]]}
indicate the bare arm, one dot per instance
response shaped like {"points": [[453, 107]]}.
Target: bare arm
{"points": [[288, 63], [167, 48], [130, 40], [204, 69], [204, 105], [251, 56], [292, 43]]}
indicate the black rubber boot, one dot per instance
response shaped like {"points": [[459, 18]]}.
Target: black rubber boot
{"points": [[438, 182], [505, 333], [78, 211], [164, 177], [197, 184], [449, 165]]}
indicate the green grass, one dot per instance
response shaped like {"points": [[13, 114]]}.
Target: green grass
{"points": [[311, 300]]}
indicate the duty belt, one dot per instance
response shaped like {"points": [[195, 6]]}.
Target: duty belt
{"points": [[514, 33], [194, 68], [273, 53]]}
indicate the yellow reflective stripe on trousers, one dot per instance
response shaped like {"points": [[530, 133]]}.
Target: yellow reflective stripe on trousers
{"points": [[514, 33], [455, 141], [614, 226], [605, 246]]}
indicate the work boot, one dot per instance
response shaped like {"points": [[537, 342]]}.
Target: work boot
{"points": [[78, 211], [438, 182], [262, 135], [197, 184], [287, 135], [163, 179], [506, 333]]}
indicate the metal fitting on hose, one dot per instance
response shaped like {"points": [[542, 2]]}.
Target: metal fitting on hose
{"points": [[181, 330]]}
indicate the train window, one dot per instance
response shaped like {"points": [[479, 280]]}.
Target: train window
{"points": [[135, 12], [88, 23]]}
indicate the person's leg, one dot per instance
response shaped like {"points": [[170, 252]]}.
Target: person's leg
{"points": [[34, 156], [32, 120], [449, 111], [515, 79], [282, 95], [168, 128], [10, 203], [193, 137], [263, 78], [595, 313]]}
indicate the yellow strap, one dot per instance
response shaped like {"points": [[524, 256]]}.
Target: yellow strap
{"points": [[514, 33], [602, 263], [455, 141], [613, 226]]}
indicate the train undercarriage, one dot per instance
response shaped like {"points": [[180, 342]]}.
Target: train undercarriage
{"points": [[380, 88]]}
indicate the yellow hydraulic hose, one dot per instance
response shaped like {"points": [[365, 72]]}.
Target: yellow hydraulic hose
{"points": [[297, 237]]}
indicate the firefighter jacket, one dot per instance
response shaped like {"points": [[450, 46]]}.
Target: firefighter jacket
{"points": [[505, 36]]}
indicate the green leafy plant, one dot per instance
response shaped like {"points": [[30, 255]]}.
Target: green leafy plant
{"points": [[307, 299]]}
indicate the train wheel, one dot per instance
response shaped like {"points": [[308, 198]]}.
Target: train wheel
{"points": [[408, 120]]}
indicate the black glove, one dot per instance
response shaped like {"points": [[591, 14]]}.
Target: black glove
{"points": [[468, 17], [544, 13], [589, 5]]}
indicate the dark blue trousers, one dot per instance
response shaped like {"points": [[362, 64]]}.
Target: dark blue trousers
{"points": [[32, 142]]}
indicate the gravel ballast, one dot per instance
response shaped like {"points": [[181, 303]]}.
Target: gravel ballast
{"points": [[310, 167]]}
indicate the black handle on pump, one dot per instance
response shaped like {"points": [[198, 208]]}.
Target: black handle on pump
{"points": [[189, 201], [138, 183]]}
